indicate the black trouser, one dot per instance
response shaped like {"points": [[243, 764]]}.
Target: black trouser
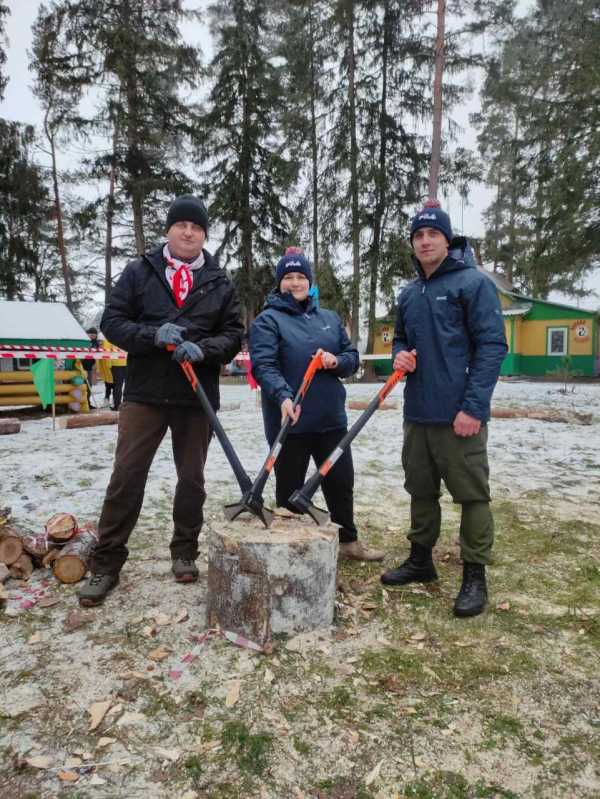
{"points": [[338, 487], [141, 429], [119, 373]]}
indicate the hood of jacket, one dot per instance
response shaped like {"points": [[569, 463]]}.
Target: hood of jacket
{"points": [[287, 303], [460, 256]]}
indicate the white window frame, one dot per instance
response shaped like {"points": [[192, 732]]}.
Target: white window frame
{"points": [[549, 332]]}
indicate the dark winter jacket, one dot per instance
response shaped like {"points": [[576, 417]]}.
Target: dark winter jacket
{"points": [[142, 301], [283, 339], [454, 322]]}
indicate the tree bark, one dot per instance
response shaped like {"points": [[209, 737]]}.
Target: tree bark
{"points": [[436, 142], [60, 235], [314, 145], [88, 420], [355, 223], [8, 426], [110, 213], [381, 186]]}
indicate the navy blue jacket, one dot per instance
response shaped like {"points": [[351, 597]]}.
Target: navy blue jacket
{"points": [[454, 322], [142, 300], [283, 339]]}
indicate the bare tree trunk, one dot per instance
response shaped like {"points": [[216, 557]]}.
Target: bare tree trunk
{"points": [[381, 186], [60, 235], [355, 299], [110, 213], [246, 216], [133, 141], [314, 145], [512, 238], [436, 142]]}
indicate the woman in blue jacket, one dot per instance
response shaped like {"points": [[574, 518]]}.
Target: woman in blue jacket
{"points": [[283, 339]]}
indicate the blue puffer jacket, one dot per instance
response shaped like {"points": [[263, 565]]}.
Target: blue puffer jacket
{"points": [[283, 339], [454, 322]]}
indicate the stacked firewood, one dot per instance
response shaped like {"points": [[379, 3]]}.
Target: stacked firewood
{"points": [[64, 546]]}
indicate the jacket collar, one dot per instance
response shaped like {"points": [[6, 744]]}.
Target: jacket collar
{"points": [[287, 303], [453, 262], [208, 272]]}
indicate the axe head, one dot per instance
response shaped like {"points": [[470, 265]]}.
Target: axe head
{"points": [[303, 504], [252, 505]]}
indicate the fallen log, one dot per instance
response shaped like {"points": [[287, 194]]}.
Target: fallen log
{"points": [[22, 568], [88, 420], [4, 573], [265, 582], [543, 414], [71, 562], [362, 405], [61, 527], [9, 426]]}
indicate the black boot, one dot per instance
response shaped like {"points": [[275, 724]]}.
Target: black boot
{"points": [[472, 597], [417, 568]]}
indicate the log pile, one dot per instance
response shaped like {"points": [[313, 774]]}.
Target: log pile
{"points": [[64, 546]]}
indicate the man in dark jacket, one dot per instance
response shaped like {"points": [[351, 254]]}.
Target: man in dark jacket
{"points": [[449, 338], [173, 296]]}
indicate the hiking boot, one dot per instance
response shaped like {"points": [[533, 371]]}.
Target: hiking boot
{"points": [[185, 571], [417, 568], [96, 588], [472, 597], [356, 550]]}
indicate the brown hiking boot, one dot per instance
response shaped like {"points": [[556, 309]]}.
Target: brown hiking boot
{"points": [[185, 571], [356, 550], [96, 588]]}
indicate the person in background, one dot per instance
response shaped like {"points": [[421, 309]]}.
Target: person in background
{"points": [[89, 364], [283, 339], [449, 339]]}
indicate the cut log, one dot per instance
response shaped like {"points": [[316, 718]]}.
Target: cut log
{"points": [[34, 544], [71, 562], [11, 546], [9, 426], [88, 420], [50, 557], [4, 573], [362, 405], [61, 527], [265, 582], [22, 568]]}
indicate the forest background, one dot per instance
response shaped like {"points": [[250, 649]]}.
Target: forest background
{"points": [[302, 122]]}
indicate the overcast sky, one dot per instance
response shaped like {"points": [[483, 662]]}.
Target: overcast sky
{"points": [[20, 105]]}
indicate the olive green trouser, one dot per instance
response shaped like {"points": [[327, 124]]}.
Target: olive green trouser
{"points": [[432, 453]]}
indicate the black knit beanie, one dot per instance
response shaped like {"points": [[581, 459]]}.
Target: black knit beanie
{"points": [[188, 208]]}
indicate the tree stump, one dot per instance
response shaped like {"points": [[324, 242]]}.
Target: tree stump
{"points": [[265, 582]]}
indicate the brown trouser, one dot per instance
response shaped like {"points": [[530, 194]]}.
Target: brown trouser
{"points": [[141, 429]]}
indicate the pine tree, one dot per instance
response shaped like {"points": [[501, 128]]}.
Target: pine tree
{"points": [[551, 79], [4, 12], [24, 213], [248, 173]]}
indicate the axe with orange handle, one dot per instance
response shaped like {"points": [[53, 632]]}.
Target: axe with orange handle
{"points": [[252, 499], [302, 499]]}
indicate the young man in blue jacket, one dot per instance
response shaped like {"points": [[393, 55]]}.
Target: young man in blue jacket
{"points": [[449, 339]]}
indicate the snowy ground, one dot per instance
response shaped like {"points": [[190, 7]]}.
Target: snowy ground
{"points": [[397, 700]]}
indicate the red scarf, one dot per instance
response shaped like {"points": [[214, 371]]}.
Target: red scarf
{"points": [[182, 284]]}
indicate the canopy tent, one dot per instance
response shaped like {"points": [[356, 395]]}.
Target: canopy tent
{"points": [[44, 330]]}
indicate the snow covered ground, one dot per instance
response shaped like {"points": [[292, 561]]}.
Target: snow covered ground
{"points": [[44, 472]]}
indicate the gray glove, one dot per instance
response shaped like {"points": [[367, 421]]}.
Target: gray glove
{"points": [[188, 351], [169, 334]]}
